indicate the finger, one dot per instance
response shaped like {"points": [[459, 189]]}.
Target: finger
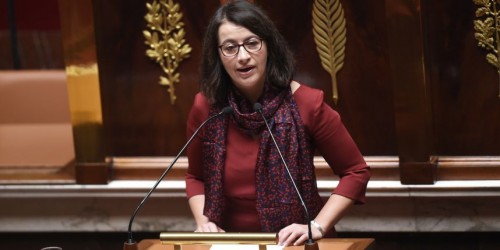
{"points": [[205, 228], [212, 228], [291, 238], [301, 240], [283, 235], [202, 228]]}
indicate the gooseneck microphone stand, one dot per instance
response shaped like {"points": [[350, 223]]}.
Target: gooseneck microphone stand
{"points": [[131, 244], [310, 243]]}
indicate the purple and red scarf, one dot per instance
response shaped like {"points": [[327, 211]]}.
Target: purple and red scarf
{"points": [[277, 202]]}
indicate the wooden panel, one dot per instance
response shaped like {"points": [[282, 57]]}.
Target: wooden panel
{"points": [[140, 121], [139, 118], [414, 83], [411, 90], [84, 91], [365, 90], [464, 87], [150, 168], [327, 243], [382, 168]]}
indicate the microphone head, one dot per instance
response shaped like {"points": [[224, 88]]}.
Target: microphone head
{"points": [[257, 107], [227, 110]]}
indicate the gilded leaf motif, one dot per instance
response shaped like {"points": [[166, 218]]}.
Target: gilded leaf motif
{"points": [[329, 32], [165, 40], [488, 31]]}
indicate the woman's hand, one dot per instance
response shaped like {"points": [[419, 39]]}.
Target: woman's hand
{"points": [[297, 234], [204, 225], [208, 227]]}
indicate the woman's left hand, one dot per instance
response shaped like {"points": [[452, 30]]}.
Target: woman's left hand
{"points": [[296, 234]]}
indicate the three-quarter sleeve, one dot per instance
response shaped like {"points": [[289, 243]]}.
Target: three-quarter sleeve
{"points": [[335, 144], [194, 174]]}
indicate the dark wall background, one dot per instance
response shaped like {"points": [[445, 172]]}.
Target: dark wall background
{"points": [[140, 120], [461, 87], [464, 87]]}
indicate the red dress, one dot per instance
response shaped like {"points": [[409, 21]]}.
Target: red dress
{"points": [[322, 124]]}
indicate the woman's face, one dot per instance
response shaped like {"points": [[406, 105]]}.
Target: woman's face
{"points": [[246, 69]]}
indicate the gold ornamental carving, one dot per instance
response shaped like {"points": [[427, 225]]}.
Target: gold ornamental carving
{"points": [[329, 32], [165, 39], [487, 28]]}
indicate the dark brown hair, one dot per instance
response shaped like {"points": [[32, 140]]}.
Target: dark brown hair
{"points": [[215, 82]]}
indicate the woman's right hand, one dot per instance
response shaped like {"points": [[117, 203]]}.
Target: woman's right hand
{"points": [[204, 224], [209, 227]]}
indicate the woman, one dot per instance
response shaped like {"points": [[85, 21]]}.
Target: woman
{"points": [[236, 180]]}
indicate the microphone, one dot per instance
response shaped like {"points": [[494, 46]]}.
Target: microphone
{"points": [[310, 243], [131, 244]]}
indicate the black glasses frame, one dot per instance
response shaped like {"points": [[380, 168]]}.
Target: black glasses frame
{"points": [[242, 45]]}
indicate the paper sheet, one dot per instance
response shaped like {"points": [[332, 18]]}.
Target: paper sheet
{"points": [[243, 247]]}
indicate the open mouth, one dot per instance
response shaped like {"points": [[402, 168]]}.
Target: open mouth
{"points": [[245, 70]]}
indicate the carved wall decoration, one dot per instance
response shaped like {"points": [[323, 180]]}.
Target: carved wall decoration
{"points": [[487, 28], [165, 38], [329, 32]]}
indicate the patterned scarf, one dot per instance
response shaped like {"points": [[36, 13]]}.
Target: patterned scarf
{"points": [[277, 202]]}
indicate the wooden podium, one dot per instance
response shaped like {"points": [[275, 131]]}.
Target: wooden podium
{"points": [[167, 242]]}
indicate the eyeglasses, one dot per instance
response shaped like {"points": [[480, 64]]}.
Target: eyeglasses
{"points": [[251, 45]]}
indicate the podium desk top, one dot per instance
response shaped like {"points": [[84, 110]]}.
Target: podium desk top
{"points": [[335, 243]]}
